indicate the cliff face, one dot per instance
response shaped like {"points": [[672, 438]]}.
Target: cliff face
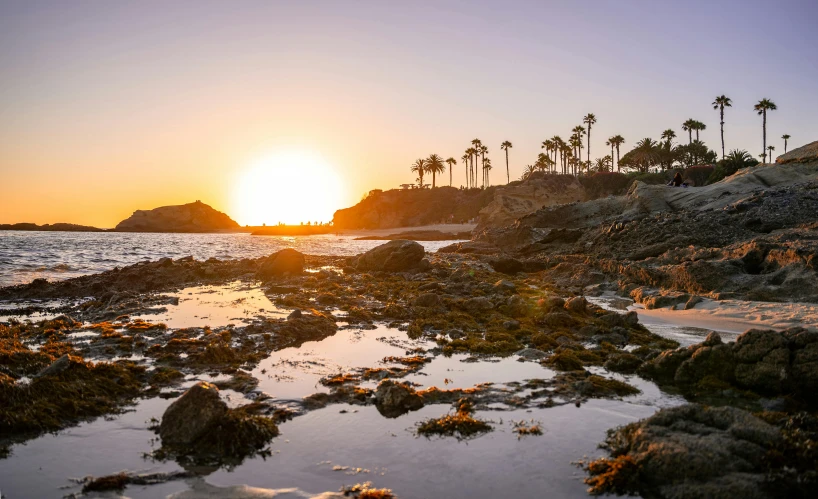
{"points": [[413, 207], [538, 191], [191, 217]]}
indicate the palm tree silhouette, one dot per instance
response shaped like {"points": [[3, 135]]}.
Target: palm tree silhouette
{"points": [[420, 168], [465, 159], [506, 145], [529, 169], [699, 126], [786, 137], [720, 103], [476, 144], [762, 107], [435, 165], [486, 169], [668, 135], [771, 149], [451, 162], [472, 152], [617, 140], [688, 126], [589, 120]]}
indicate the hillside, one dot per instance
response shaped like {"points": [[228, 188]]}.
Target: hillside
{"points": [[413, 207], [191, 217]]}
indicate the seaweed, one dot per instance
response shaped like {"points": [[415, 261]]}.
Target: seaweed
{"points": [[460, 425]]}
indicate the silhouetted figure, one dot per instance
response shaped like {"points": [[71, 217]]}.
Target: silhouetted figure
{"points": [[677, 180]]}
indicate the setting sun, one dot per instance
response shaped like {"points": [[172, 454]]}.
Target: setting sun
{"points": [[290, 187]]}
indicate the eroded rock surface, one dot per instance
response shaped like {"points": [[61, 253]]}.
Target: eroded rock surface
{"points": [[395, 256]]}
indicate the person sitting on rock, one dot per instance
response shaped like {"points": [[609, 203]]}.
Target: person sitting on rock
{"points": [[677, 180]]}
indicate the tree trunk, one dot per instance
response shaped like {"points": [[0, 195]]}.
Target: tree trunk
{"points": [[589, 141], [722, 132], [617, 157], [764, 134], [690, 136], [508, 175], [433, 179]]}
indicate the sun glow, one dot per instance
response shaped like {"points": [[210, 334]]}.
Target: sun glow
{"points": [[290, 188]]}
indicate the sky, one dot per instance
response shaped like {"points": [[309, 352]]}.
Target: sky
{"points": [[108, 107]]}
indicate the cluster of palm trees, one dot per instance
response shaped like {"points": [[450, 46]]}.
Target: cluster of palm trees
{"points": [[566, 156]]}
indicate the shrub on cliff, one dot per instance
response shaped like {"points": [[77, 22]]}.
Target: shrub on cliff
{"points": [[603, 184]]}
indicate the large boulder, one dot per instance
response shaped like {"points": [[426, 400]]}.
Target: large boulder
{"points": [[393, 399], [282, 262], [689, 451], [803, 154], [191, 217], [192, 414], [395, 256]]}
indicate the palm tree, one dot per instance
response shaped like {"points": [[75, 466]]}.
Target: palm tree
{"points": [[506, 145], [420, 168], [529, 169], [483, 151], [762, 107], [472, 152], [486, 169], [589, 120], [548, 145], [699, 126], [668, 135], [557, 140], [477, 144], [720, 103], [617, 141], [771, 149], [451, 162], [465, 159], [688, 126], [786, 137], [435, 165], [602, 164], [646, 154], [610, 142]]}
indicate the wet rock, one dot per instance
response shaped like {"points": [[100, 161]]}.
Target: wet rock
{"points": [[516, 306], [186, 419], [283, 262], [427, 300], [395, 256], [56, 367], [506, 265], [577, 304], [556, 320], [511, 325], [430, 286], [693, 301], [631, 318], [478, 304], [455, 333], [688, 451], [394, 399], [295, 314], [531, 354], [504, 286], [624, 363]]}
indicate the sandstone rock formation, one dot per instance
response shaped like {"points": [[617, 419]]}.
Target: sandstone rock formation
{"points": [[538, 191], [805, 154], [191, 217], [395, 256]]}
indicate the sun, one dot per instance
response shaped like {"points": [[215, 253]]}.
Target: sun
{"points": [[287, 187]]}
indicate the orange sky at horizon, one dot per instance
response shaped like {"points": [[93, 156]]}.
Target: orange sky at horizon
{"points": [[110, 107]]}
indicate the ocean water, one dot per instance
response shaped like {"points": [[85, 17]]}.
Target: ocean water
{"points": [[25, 256]]}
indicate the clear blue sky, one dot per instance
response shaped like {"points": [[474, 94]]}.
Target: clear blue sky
{"points": [[156, 102]]}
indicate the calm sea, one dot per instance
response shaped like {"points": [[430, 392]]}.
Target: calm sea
{"points": [[25, 256]]}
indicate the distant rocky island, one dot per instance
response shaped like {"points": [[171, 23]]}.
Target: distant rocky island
{"points": [[191, 217], [58, 227]]}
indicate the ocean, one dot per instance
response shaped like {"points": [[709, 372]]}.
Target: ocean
{"points": [[25, 256]]}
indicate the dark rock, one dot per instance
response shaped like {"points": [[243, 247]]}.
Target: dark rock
{"points": [[429, 286], [511, 325], [56, 367], [295, 314], [625, 363], [427, 300], [504, 286], [192, 414], [577, 304], [283, 262], [516, 306], [478, 304], [393, 399], [395, 256], [693, 301], [531, 354], [506, 265]]}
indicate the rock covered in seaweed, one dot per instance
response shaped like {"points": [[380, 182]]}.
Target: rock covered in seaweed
{"points": [[394, 399]]}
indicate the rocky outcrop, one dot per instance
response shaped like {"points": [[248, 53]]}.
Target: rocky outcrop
{"points": [[804, 154], [537, 191], [395, 256], [191, 217], [283, 262], [689, 451], [58, 227], [192, 414], [413, 207], [769, 363]]}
